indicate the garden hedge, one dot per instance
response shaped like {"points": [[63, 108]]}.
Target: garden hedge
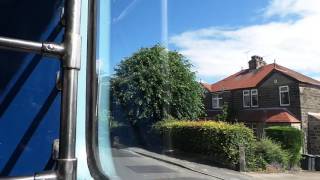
{"points": [[270, 153], [290, 138], [218, 140]]}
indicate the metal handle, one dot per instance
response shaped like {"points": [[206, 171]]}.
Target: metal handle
{"points": [[45, 48]]}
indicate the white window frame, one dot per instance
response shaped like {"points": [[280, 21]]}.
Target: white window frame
{"points": [[247, 92], [254, 92], [281, 91], [216, 97]]}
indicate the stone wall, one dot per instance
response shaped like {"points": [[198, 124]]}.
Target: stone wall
{"points": [[310, 103], [314, 133]]}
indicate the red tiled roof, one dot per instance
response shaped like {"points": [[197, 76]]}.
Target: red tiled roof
{"points": [[251, 78], [268, 115], [206, 85]]}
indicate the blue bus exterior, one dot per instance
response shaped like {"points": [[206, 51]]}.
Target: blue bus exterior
{"points": [[30, 101]]}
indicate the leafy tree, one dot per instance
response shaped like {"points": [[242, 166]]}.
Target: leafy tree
{"points": [[154, 84]]}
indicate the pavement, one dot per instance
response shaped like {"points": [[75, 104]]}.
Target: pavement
{"points": [[300, 175], [137, 163]]}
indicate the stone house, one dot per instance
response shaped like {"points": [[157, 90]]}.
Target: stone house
{"points": [[265, 95]]}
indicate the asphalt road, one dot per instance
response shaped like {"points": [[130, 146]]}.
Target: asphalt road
{"points": [[138, 166], [132, 166]]}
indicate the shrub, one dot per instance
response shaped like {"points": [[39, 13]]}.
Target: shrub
{"points": [[218, 140], [268, 152], [225, 113], [290, 140]]}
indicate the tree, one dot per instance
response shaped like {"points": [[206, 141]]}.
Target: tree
{"points": [[154, 84]]}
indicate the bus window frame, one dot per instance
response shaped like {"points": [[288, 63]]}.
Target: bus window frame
{"points": [[92, 149]]}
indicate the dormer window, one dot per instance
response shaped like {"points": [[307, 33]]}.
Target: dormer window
{"points": [[217, 101], [284, 95]]}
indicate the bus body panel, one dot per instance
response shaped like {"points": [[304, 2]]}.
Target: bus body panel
{"points": [[29, 100]]}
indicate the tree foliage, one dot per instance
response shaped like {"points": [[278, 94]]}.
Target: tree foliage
{"points": [[154, 84]]}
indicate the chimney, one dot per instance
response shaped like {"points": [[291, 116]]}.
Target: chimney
{"points": [[256, 62]]}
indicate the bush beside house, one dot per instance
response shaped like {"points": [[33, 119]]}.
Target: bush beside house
{"points": [[290, 139], [220, 141], [267, 153]]}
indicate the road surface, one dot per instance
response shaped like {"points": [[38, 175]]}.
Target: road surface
{"points": [[132, 166], [138, 166]]}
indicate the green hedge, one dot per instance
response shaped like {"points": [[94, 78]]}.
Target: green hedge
{"points": [[219, 140], [268, 152], [290, 138]]}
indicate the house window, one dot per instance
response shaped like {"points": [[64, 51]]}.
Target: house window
{"points": [[284, 95], [254, 98], [217, 101], [246, 98]]}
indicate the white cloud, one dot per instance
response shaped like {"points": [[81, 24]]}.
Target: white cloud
{"points": [[283, 8], [217, 51]]}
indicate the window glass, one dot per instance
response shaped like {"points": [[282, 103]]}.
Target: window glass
{"points": [[172, 61], [254, 97], [284, 95], [217, 101], [246, 98]]}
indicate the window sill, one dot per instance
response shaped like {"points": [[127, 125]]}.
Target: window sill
{"points": [[216, 109]]}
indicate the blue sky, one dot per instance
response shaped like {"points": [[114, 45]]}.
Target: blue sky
{"points": [[218, 37]]}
